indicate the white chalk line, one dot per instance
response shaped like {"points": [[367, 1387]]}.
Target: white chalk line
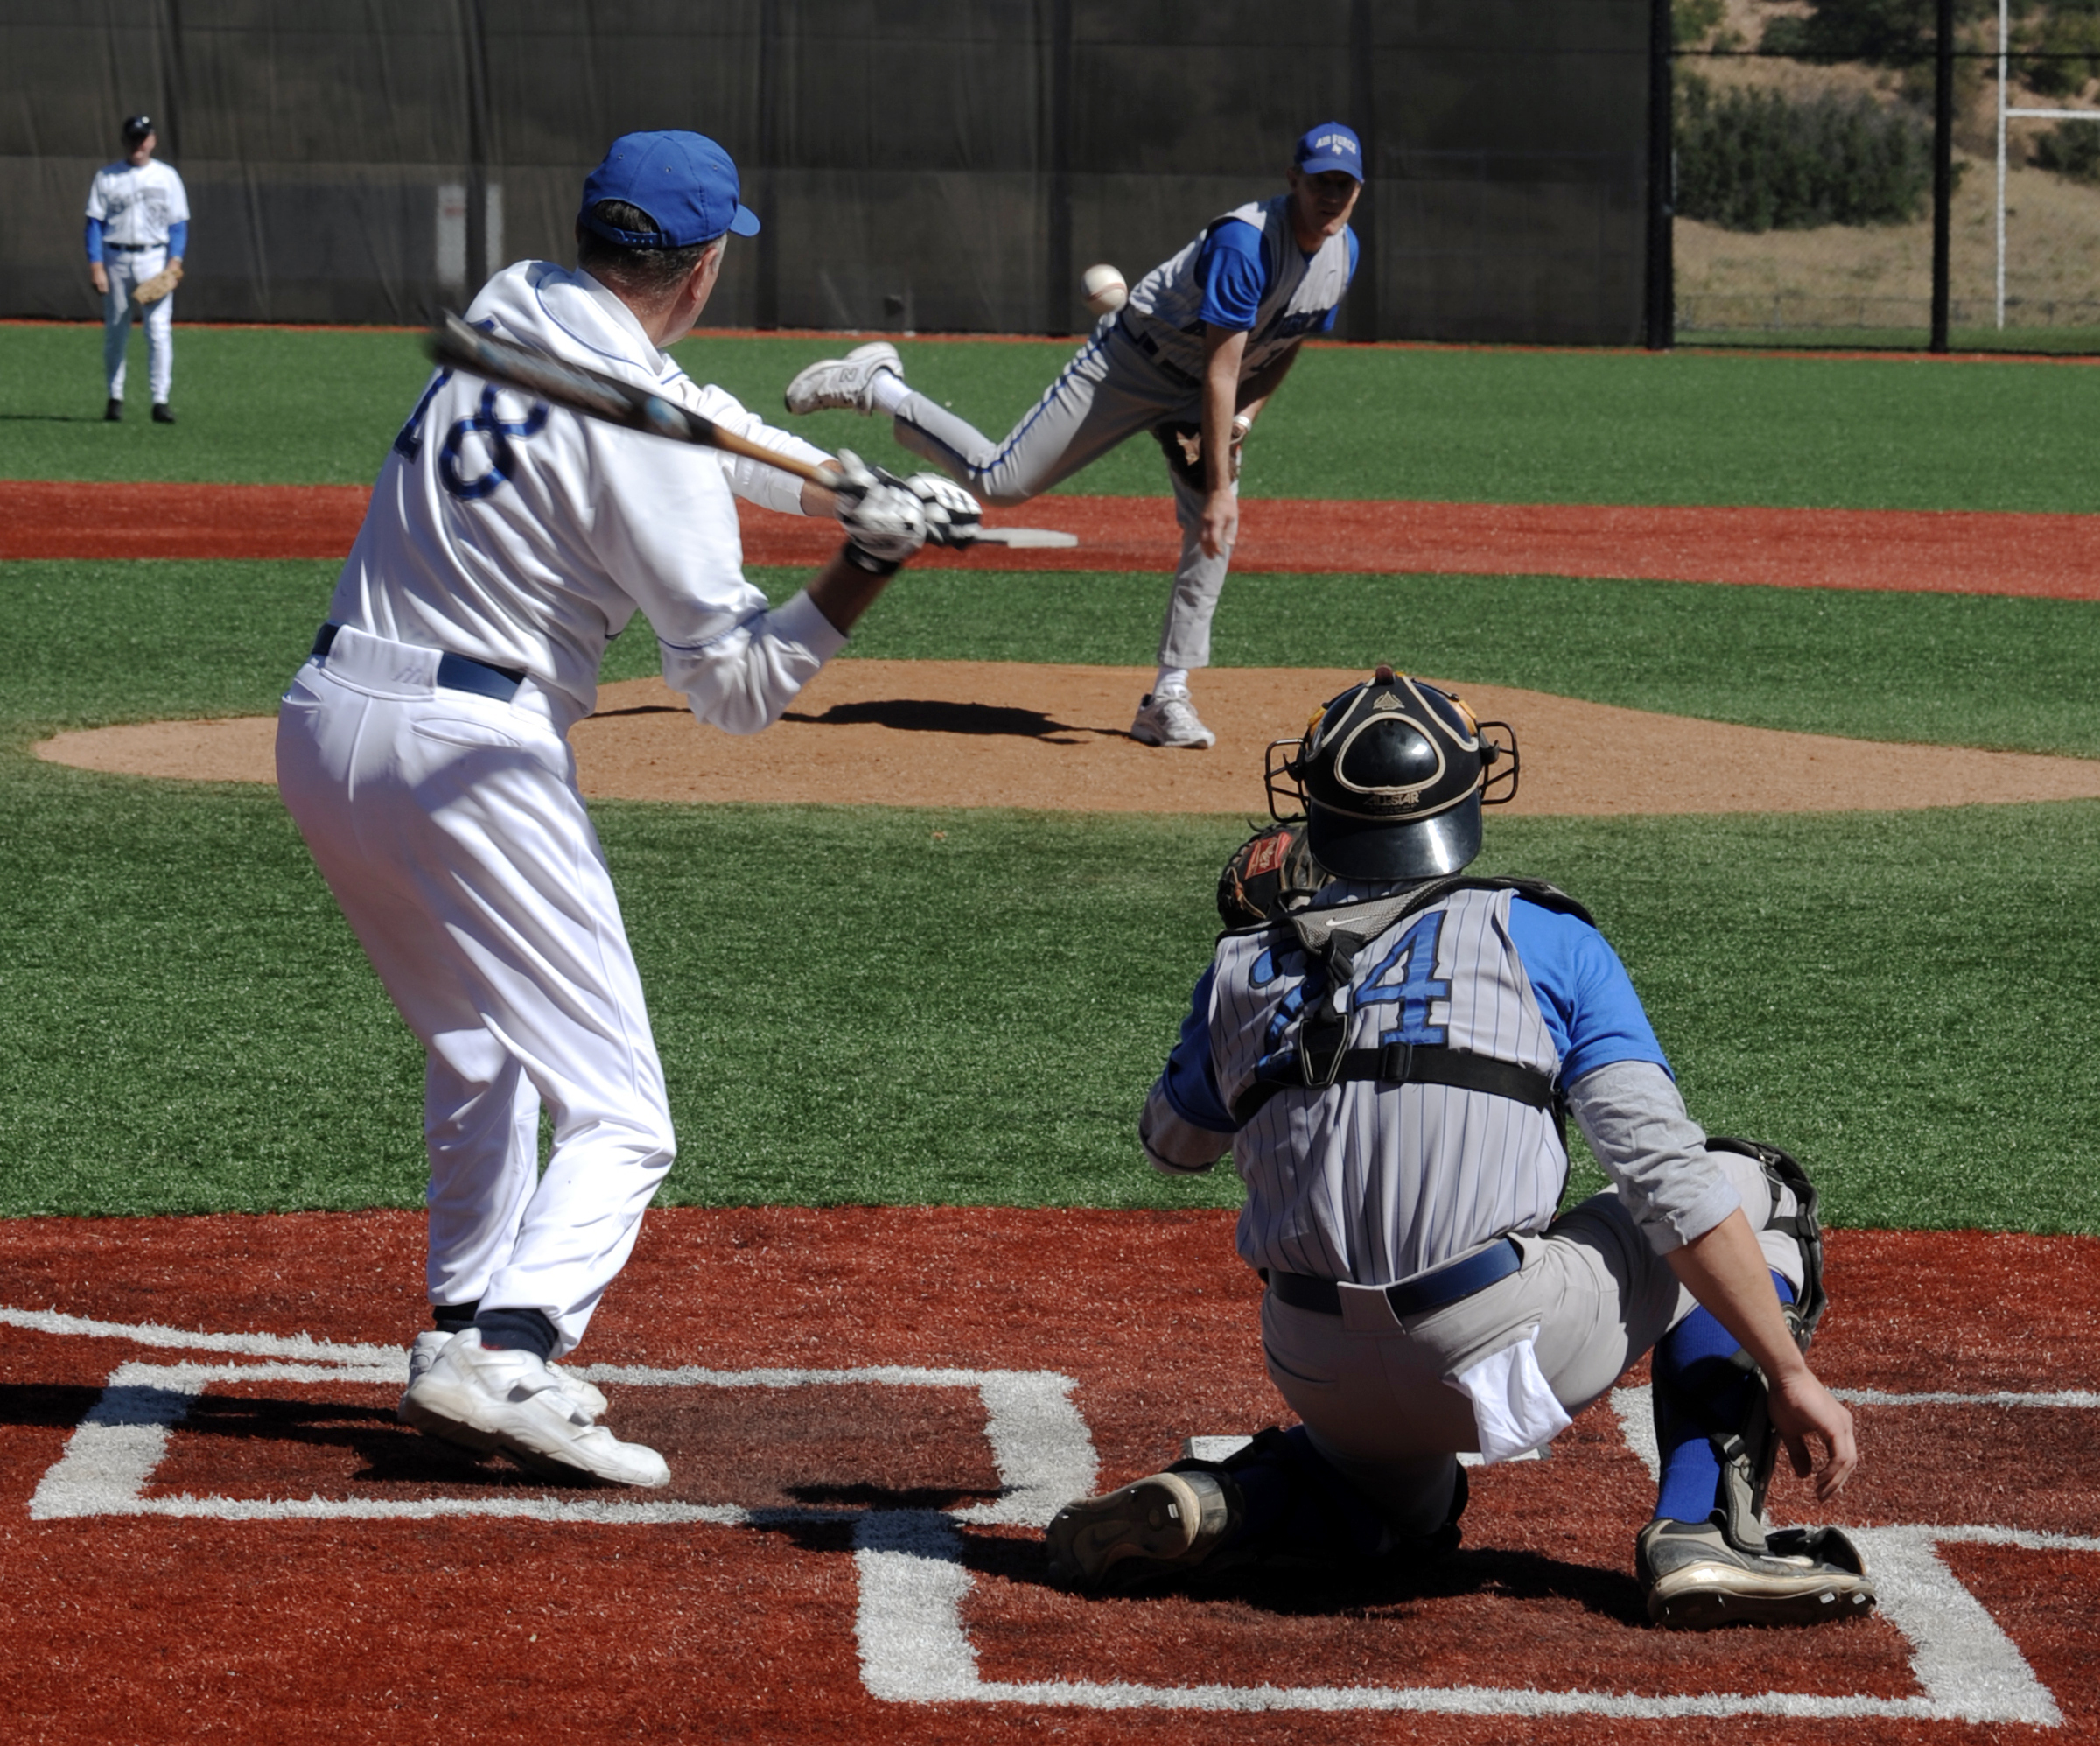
{"points": [[914, 1648]]}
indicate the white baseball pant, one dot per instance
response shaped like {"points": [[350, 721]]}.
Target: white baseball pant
{"points": [[126, 271], [450, 829], [1110, 391]]}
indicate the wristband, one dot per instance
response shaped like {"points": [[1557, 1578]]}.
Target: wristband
{"points": [[867, 562]]}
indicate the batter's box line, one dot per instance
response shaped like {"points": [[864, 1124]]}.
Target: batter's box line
{"points": [[912, 1645], [915, 1648], [1039, 1445]]}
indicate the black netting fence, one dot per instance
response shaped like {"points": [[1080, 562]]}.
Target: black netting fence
{"points": [[1804, 136], [935, 165]]}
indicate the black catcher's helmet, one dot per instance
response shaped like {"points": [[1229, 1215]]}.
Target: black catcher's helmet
{"points": [[1392, 775]]}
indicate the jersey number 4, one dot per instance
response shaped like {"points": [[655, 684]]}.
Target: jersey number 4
{"points": [[1405, 978]]}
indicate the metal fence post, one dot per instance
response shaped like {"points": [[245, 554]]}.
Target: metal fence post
{"points": [[1364, 313], [1942, 169], [1058, 255], [1661, 261]]}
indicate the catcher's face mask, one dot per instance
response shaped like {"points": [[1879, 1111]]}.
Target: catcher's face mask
{"points": [[1392, 776]]}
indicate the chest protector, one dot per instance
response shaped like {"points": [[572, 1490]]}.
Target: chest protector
{"points": [[1419, 987]]}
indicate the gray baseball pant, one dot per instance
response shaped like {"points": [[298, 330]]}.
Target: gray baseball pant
{"points": [[1109, 392], [1369, 1384]]}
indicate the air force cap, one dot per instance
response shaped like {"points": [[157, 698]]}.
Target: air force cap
{"points": [[683, 180], [1330, 146]]}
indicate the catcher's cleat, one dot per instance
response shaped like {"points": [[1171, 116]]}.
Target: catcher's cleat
{"points": [[163, 413], [1170, 719], [509, 1400], [423, 1353], [114, 412], [1696, 1580], [1172, 1521], [843, 384]]}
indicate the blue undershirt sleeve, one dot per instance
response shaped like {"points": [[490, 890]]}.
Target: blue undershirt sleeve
{"points": [[1233, 275], [1587, 998], [179, 237], [94, 238], [1189, 1080]]}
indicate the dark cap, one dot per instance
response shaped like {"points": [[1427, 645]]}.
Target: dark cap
{"points": [[1392, 775], [1331, 145], [136, 128], [684, 181]]}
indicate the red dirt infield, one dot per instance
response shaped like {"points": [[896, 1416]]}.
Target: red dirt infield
{"points": [[1952, 551], [210, 1523]]}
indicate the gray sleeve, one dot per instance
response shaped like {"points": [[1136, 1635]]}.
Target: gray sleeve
{"points": [[1176, 1146], [1655, 1154]]}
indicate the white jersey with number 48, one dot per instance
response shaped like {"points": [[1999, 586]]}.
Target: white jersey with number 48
{"points": [[525, 537]]}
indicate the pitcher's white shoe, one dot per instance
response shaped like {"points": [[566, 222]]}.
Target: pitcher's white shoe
{"points": [[423, 1353], [1168, 719], [512, 1401], [843, 384]]}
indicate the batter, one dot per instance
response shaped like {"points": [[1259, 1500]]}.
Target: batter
{"points": [[1389, 1055], [422, 750], [1203, 342]]}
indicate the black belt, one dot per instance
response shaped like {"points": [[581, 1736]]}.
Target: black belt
{"points": [[1401, 1063], [135, 248], [1410, 1297], [1150, 346], [455, 672]]}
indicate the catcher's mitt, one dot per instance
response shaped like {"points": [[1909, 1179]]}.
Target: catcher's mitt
{"points": [[160, 285], [1270, 874]]}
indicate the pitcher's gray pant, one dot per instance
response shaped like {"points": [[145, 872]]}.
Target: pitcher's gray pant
{"points": [[1109, 392], [1369, 1384]]}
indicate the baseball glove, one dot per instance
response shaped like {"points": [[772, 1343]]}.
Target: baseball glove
{"points": [[1269, 875], [160, 285]]}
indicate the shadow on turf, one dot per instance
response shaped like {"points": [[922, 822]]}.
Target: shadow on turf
{"points": [[1326, 1594]]}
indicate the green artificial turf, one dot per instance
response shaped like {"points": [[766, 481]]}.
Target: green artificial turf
{"points": [[873, 1005], [864, 1004], [85, 640], [320, 406]]}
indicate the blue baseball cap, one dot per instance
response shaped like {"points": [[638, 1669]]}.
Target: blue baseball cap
{"points": [[1330, 146], [683, 180]]}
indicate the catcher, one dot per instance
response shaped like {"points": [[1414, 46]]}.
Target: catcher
{"points": [[1390, 1048]]}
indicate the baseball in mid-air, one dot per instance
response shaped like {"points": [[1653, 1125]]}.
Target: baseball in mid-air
{"points": [[1104, 289]]}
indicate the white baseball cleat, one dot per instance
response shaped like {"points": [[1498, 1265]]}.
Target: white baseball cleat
{"points": [[845, 384], [423, 1353], [512, 1401], [1168, 719]]}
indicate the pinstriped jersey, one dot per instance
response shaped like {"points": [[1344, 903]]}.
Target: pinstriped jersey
{"points": [[1299, 290], [1372, 1182]]}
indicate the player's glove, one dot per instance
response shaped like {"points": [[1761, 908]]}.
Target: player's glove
{"points": [[883, 519], [1270, 874], [953, 516]]}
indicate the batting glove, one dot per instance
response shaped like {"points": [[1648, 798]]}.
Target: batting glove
{"points": [[884, 520], [953, 516]]}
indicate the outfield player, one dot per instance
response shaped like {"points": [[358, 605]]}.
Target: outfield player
{"points": [[1193, 356], [138, 222], [422, 750], [1389, 1065]]}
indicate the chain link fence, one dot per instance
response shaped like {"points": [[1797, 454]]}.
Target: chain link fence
{"points": [[1802, 193]]}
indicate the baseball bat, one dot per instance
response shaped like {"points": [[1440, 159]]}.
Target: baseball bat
{"points": [[454, 345]]}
